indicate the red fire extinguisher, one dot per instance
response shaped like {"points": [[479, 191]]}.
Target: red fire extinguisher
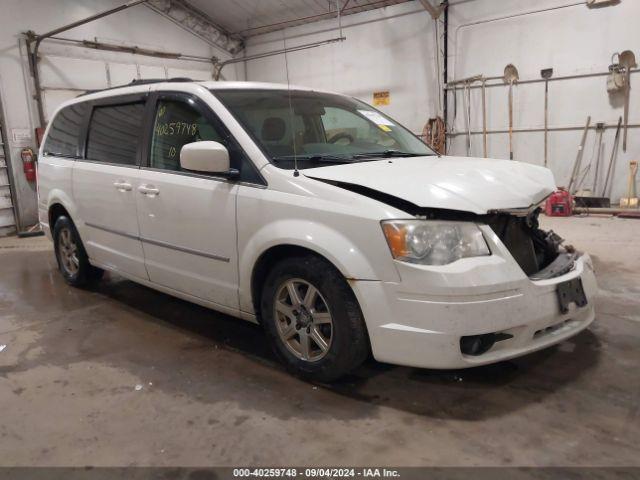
{"points": [[28, 164]]}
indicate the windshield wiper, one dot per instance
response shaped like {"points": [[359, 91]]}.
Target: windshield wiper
{"points": [[390, 153], [320, 158], [327, 158]]}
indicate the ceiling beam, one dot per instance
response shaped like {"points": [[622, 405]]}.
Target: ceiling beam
{"points": [[197, 23], [433, 11], [346, 9]]}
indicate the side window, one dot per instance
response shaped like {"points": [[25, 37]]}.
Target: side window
{"points": [[63, 135], [176, 124], [114, 131]]}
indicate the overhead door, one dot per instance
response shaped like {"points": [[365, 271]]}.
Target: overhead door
{"points": [[63, 78]]}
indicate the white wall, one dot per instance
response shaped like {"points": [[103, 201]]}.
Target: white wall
{"points": [[393, 49], [571, 40], [386, 49], [64, 66]]}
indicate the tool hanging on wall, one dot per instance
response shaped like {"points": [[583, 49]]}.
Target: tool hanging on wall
{"points": [[614, 150], [484, 116], [510, 77], [599, 132], [578, 160], [546, 74], [619, 81], [628, 60], [466, 96], [631, 200], [466, 104]]}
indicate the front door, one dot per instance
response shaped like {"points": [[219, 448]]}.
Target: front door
{"points": [[187, 220], [104, 184]]}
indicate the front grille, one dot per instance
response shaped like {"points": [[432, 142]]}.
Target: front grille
{"points": [[518, 238], [552, 329]]}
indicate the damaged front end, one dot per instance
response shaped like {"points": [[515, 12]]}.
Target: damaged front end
{"points": [[539, 253]]}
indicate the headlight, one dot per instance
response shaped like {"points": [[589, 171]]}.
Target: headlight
{"points": [[431, 242]]}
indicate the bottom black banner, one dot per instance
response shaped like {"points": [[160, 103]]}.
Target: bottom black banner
{"points": [[290, 473]]}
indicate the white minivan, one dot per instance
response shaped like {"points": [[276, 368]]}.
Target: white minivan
{"points": [[315, 215]]}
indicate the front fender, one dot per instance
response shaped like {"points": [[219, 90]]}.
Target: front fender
{"points": [[352, 259]]}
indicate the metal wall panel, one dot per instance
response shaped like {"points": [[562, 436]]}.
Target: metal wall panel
{"points": [[122, 73], [195, 74]]}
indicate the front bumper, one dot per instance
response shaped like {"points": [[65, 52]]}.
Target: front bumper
{"points": [[419, 321]]}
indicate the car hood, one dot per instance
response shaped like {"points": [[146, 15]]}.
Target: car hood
{"points": [[476, 185]]}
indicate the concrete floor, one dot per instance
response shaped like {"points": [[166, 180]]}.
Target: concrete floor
{"points": [[123, 375]]}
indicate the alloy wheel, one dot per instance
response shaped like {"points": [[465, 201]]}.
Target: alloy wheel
{"points": [[303, 320], [68, 252]]}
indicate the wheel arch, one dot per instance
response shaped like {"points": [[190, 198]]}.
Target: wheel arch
{"points": [[56, 211], [60, 203], [352, 257], [268, 259], [276, 253]]}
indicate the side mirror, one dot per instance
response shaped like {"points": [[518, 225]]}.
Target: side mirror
{"points": [[206, 156]]}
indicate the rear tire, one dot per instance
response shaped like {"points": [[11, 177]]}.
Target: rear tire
{"points": [[72, 258], [320, 334]]}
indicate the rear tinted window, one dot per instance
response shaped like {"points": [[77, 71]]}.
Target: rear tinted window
{"points": [[114, 131], [63, 135]]}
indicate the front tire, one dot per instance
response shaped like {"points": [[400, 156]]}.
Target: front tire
{"points": [[72, 258], [313, 319]]}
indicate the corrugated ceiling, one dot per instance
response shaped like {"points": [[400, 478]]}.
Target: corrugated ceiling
{"points": [[253, 17]]}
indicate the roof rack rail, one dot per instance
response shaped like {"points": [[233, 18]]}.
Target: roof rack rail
{"points": [[140, 81], [144, 81]]}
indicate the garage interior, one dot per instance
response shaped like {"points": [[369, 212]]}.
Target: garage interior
{"points": [[121, 375]]}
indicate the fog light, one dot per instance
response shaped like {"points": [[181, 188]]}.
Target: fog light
{"points": [[475, 345]]}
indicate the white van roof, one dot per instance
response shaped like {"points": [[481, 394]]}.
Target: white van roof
{"points": [[141, 86]]}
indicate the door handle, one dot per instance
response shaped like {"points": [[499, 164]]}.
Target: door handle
{"points": [[122, 186], [148, 190]]}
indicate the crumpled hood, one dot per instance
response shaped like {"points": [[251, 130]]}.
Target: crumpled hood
{"points": [[476, 185]]}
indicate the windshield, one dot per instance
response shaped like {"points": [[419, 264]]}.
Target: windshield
{"points": [[318, 128]]}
